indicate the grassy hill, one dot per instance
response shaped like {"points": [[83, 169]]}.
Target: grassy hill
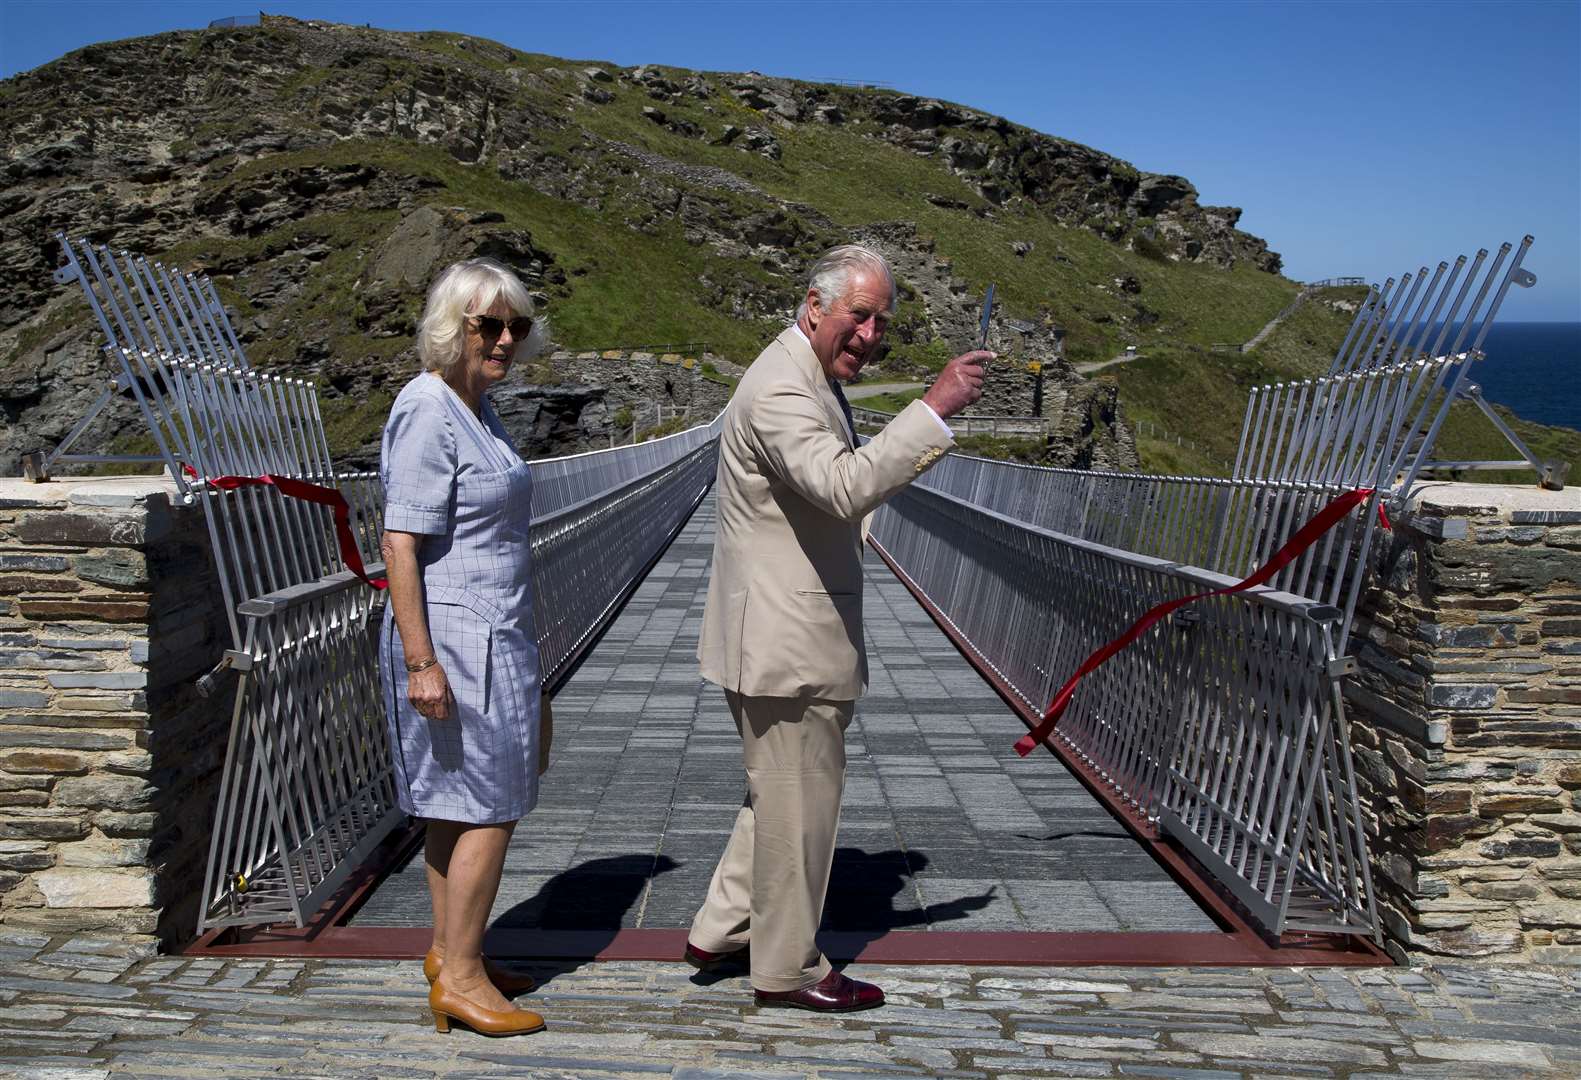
{"points": [[321, 174], [1200, 394]]}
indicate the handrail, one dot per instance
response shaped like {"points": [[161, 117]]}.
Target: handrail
{"points": [[294, 596], [1288, 602]]}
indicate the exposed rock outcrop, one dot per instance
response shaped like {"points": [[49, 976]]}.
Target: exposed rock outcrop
{"points": [[321, 174]]}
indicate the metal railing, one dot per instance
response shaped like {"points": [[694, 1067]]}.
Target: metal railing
{"points": [[146, 311], [305, 790], [589, 553], [964, 424], [1449, 315], [1224, 726], [1222, 729]]}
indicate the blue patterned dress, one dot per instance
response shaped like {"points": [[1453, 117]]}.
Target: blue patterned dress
{"points": [[457, 480]]}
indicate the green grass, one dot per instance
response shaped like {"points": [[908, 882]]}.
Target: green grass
{"points": [[1467, 435], [641, 285], [329, 302], [351, 421], [855, 180], [632, 276], [891, 403], [668, 427], [1200, 394], [1191, 392], [1027, 451], [628, 285]]}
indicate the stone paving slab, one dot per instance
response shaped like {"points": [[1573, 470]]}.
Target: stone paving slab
{"points": [[943, 826], [168, 1016]]}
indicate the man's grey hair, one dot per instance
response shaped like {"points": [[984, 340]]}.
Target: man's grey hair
{"points": [[831, 274], [467, 288]]}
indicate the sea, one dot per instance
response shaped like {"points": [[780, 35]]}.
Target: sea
{"points": [[1534, 368]]}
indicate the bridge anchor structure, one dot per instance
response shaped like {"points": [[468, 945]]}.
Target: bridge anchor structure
{"points": [[1219, 737]]}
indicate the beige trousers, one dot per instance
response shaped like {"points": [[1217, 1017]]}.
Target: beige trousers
{"points": [[769, 886]]}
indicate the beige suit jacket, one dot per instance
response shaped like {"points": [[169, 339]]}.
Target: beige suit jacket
{"points": [[784, 610]]}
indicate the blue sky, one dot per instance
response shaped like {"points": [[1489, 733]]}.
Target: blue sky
{"points": [[1360, 138]]}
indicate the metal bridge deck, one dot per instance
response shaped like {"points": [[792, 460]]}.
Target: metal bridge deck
{"points": [[944, 828]]}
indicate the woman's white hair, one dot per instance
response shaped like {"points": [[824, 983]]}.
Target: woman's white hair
{"points": [[831, 275], [467, 288]]}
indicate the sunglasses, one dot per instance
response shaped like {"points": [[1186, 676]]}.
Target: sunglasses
{"points": [[490, 327]]}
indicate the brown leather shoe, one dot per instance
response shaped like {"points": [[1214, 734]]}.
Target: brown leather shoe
{"points": [[703, 960], [835, 993], [504, 979], [448, 1006]]}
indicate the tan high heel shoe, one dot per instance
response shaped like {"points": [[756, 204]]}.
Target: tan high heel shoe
{"points": [[448, 1006], [505, 980]]}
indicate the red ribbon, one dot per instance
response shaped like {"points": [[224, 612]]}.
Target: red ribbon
{"points": [[313, 493], [1325, 520]]}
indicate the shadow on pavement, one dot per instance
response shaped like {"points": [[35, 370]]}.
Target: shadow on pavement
{"points": [[871, 894], [593, 897]]}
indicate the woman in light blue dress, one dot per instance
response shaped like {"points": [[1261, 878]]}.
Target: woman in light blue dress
{"points": [[458, 656]]}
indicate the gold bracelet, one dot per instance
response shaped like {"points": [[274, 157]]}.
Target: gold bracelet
{"points": [[422, 665]]}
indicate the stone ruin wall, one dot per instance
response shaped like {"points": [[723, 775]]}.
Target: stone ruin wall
{"points": [[1086, 426], [577, 413]]}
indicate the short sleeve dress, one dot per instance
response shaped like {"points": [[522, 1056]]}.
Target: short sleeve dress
{"points": [[454, 477]]}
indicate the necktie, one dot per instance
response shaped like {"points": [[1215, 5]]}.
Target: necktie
{"points": [[845, 407]]}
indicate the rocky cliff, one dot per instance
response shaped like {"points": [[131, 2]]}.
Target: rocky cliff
{"points": [[321, 174]]}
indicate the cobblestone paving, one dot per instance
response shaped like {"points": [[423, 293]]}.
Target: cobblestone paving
{"points": [[943, 826], [87, 1009]]}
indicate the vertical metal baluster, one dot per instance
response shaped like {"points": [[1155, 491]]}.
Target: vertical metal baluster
{"points": [[107, 297], [128, 302], [164, 317], [182, 287], [156, 319], [1399, 347], [171, 302], [1414, 348], [1361, 347], [222, 322], [311, 523], [1364, 313]]}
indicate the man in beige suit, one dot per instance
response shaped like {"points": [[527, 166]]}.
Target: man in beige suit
{"points": [[782, 630]]}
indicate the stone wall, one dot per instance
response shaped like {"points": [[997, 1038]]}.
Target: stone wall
{"points": [[1466, 724], [598, 387], [1019, 388], [1465, 717], [109, 761]]}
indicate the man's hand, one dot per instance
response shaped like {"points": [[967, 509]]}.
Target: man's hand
{"points": [[960, 384]]}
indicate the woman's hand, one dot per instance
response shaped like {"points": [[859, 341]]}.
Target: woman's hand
{"points": [[545, 733], [429, 692]]}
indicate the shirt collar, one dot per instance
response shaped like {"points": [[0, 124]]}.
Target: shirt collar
{"points": [[803, 335]]}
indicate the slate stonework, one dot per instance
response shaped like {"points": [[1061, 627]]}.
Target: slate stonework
{"points": [[109, 760], [1466, 724], [1465, 718]]}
